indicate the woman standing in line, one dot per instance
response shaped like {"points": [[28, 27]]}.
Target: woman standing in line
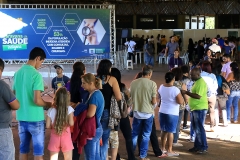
{"points": [[181, 86], [212, 84], [95, 108], [171, 97], [77, 95], [110, 87], [234, 85]]}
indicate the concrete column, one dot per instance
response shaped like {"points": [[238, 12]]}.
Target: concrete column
{"points": [[3, 1], [134, 21], [181, 22], [216, 22]]}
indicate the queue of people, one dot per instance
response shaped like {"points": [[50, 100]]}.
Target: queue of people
{"points": [[79, 115]]}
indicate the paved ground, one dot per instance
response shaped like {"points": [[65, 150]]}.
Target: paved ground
{"points": [[223, 143]]}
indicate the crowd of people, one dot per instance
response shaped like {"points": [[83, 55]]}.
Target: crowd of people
{"points": [[81, 115]]}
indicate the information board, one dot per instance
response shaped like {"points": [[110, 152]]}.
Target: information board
{"points": [[62, 33]]}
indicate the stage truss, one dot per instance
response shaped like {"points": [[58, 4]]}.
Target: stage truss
{"points": [[87, 60]]}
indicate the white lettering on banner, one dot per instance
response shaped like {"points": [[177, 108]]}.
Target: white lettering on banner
{"points": [[15, 40], [58, 43], [58, 51]]}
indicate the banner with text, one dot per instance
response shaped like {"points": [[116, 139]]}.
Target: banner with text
{"points": [[62, 33]]}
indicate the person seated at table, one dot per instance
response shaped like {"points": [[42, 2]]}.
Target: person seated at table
{"points": [[175, 61]]}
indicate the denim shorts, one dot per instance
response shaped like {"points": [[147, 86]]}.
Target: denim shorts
{"points": [[7, 149], [168, 122], [34, 131]]}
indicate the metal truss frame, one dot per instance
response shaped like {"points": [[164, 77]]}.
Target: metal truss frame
{"points": [[87, 60], [183, 7]]}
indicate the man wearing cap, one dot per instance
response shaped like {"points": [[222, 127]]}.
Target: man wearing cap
{"points": [[148, 56], [215, 48], [60, 80]]}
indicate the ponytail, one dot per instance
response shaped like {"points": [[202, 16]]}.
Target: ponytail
{"points": [[98, 83]]}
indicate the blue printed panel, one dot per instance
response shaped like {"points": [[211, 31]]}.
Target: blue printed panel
{"points": [[58, 41], [58, 31]]}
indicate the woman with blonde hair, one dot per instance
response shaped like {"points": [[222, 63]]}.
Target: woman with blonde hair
{"points": [[95, 103]]}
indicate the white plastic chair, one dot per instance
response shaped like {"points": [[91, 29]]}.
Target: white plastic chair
{"points": [[129, 64], [161, 58], [184, 60]]}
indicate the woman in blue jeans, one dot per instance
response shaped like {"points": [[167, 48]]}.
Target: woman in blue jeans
{"points": [[181, 86], [95, 108], [110, 87], [234, 85]]}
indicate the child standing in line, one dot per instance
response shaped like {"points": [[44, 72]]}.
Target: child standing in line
{"points": [[59, 119]]}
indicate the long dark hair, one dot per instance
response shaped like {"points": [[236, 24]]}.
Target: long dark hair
{"points": [[190, 41], [235, 71], [75, 81], [177, 73], [169, 77], [103, 69], [206, 67], [117, 74]]}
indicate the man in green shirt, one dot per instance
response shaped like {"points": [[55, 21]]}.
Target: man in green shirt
{"points": [[198, 104], [28, 85]]}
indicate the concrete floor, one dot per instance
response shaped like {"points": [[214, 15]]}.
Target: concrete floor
{"points": [[223, 143]]}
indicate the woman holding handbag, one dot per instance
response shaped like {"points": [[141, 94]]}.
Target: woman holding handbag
{"points": [[234, 85], [222, 95]]}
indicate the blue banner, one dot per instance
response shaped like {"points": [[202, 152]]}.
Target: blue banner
{"points": [[62, 33]]}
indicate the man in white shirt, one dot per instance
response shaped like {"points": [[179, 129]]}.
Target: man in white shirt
{"points": [[215, 48], [131, 48]]}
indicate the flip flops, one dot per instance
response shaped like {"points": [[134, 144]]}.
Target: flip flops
{"points": [[173, 154], [162, 156]]}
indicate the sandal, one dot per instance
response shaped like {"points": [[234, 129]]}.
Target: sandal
{"points": [[173, 154], [163, 155], [164, 151]]}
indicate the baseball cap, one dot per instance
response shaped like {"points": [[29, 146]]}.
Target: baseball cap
{"points": [[60, 66]]}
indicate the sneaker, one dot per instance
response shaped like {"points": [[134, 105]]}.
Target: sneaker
{"points": [[202, 151], [173, 154], [177, 145], [193, 149], [235, 122], [229, 122]]}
